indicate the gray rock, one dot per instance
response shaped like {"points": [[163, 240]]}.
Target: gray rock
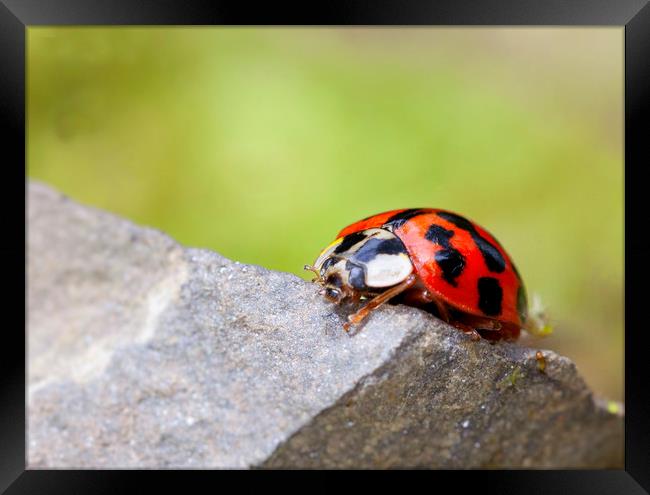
{"points": [[143, 353]]}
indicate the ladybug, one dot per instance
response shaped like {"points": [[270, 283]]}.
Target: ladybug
{"points": [[429, 258]]}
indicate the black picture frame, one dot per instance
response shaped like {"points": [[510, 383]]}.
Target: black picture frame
{"points": [[632, 15]]}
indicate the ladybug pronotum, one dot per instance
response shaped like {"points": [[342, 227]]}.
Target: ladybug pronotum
{"points": [[429, 258]]}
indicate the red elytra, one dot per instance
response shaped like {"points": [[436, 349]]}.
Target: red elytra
{"points": [[461, 263]]}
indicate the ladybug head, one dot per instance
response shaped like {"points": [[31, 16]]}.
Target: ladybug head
{"points": [[361, 263], [334, 276]]}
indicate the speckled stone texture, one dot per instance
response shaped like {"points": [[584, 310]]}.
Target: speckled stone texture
{"points": [[143, 353]]}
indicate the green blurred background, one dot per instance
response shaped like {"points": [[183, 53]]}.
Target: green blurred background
{"points": [[261, 143]]}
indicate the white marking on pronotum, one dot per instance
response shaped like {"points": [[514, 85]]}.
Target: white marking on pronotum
{"points": [[386, 270]]}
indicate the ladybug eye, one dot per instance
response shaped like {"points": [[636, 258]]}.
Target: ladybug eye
{"points": [[333, 294]]}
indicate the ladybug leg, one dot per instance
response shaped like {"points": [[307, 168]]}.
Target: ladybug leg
{"points": [[423, 298], [356, 297], [356, 318], [473, 333]]}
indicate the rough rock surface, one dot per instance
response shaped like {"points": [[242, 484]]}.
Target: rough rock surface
{"points": [[143, 353]]}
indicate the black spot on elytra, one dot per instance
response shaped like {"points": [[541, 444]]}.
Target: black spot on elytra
{"points": [[399, 219], [449, 259], [439, 235], [357, 276], [452, 264], [522, 304], [349, 241], [457, 220], [490, 296], [490, 253], [373, 246]]}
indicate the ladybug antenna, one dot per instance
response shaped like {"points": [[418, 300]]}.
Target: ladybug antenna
{"points": [[312, 269]]}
